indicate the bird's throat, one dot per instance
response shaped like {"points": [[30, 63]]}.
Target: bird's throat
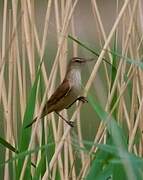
{"points": [[74, 77]]}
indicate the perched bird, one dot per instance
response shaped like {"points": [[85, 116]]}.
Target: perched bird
{"points": [[68, 91]]}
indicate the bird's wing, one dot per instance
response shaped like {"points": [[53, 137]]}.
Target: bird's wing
{"points": [[60, 92]]}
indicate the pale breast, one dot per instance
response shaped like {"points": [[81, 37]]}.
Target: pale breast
{"points": [[75, 78]]}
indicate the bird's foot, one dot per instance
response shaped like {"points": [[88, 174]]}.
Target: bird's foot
{"points": [[70, 123], [83, 99]]}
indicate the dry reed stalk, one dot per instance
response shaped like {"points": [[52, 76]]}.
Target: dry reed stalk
{"points": [[8, 132], [2, 84], [118, 74], [8, 54], [102, 33], [134, 103], [131, 50], [3, 45], [66, 166], [78, 124], [59, 164], [16, 44], [34, 131], [62, 66], [15, 91], [33, 26], [65, 8], [121, 61], [72, 169], [43, 46], [60, 146], [91, 77], [140, 72], [10, 83], [126, 114], [51, 75], [5, 105], [122, 105], [93, 74], [122, 89], [132, 136], [58, 131], [141, 123], [72, 173], [65, 26], [23, 59], [28, 39]]}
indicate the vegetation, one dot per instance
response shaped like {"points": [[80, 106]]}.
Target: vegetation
{"points": [[104, 144]]}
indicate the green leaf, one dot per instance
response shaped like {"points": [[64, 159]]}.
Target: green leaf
{"points": [[98, 165], [26, 132], [26, 153], [87, 48], [39, 169], [113, 76], [114, 130], [129, 162], [135, 62], [43, 167], [128, 60], [8, 145]]}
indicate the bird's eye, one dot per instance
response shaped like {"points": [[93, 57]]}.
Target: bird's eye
{"points": [[79, 61]]}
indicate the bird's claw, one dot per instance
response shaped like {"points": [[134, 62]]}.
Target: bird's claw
{"points": [[83, 99], [71, 123]]}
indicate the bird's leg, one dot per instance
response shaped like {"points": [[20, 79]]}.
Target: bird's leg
{"points": [[70, 123], [81, 98]]}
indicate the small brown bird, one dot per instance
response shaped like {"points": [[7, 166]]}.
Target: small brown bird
{"points": [[68, 91]]}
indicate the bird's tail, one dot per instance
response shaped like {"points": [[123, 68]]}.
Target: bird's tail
{"points": [[30, 124]]}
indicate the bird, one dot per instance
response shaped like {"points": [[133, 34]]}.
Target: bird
{"points": [[68, 92]]}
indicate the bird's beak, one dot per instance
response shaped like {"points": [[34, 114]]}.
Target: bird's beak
{"points": [[89, 60]]}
